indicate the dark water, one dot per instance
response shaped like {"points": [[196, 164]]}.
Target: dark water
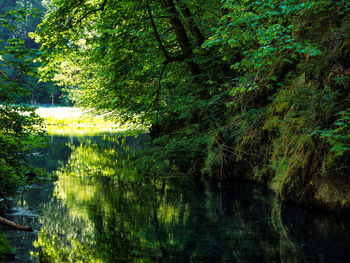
{"points": [[100, 210]]}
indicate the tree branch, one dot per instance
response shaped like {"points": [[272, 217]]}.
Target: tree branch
{"points": [[15, 225], [159, 85], [160, 44], [101, 8], [181, 36], [200, 38], [168, 58], [2, 73], [165, 63]]}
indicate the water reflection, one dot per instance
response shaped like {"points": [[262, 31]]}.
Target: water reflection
{"points": [[101, 210]]}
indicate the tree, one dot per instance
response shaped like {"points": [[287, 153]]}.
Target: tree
{"points": [[229, 84], [142, 61], [16, 31], [19, 132]]}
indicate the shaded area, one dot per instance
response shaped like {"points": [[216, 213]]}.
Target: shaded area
{"points": [[101, 210]]}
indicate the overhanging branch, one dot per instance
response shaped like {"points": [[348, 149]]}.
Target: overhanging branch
{"points": [[2, 73], [156, 33], [192, 26], [92, 11]]}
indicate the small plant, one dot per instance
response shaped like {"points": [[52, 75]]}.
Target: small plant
{"points": [[339, 136]]}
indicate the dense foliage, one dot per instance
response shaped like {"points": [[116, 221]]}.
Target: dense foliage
{"points": [[254, 89], [143, 62], [4, 248], [17, 20], [19, 125]]}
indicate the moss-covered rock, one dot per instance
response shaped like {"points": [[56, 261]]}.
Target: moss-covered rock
{"points": [[296, 142], [310, 182]]}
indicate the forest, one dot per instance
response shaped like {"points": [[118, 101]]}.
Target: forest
{"points": [[228, 91]]}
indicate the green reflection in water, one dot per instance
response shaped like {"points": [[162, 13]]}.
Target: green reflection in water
{"points": [[103, 211]]}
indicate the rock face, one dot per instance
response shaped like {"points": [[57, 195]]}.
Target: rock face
{"points": [[317, 166], [309, 181], [298, 141], [334, 193], [306, 184]]}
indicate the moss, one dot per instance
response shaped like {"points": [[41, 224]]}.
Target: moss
{"points": [[264, 174], [273, 141], [344, 53], [295, 181], [5, 248], [333, 192], [308, 182], [298, 162]]}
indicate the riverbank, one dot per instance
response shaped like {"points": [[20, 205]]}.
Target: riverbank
{"points": [[72, 117], [99, 210], [75, 121], [292, 134]]}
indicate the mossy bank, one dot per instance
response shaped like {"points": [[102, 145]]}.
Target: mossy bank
{"points": [[297, 140]]}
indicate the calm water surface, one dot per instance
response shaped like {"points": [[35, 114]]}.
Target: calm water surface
{"points": [[100, 210]]}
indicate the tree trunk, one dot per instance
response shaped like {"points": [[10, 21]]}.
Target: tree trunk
{"points": [[195, 31], [182, 37], [15, 225]]}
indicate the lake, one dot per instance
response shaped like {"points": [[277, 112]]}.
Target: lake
{"points": [[100, 209]]}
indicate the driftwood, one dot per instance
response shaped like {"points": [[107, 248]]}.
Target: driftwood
{"points": [[15, 225]]}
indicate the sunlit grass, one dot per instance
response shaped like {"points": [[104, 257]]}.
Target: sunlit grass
{"points": [[76, 121], [80, 131], [73, 117]]}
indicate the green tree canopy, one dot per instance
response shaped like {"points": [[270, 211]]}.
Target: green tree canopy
{"points": [[201, 73], [19, 125]]}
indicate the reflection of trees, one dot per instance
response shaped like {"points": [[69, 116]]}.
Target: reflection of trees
{"points": [[316, 235], [104, 212]]}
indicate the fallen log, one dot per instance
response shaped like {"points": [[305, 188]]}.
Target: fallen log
{"points": [[15, 225]]}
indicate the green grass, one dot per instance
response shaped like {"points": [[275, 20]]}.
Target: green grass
{"points": [[76, 121], [73, 117]]}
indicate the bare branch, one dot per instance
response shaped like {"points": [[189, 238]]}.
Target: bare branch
{"points": [[2, 73], [15, 225], [160, 44]]}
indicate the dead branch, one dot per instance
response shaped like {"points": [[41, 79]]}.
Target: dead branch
{"points": [[15, 225]]}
